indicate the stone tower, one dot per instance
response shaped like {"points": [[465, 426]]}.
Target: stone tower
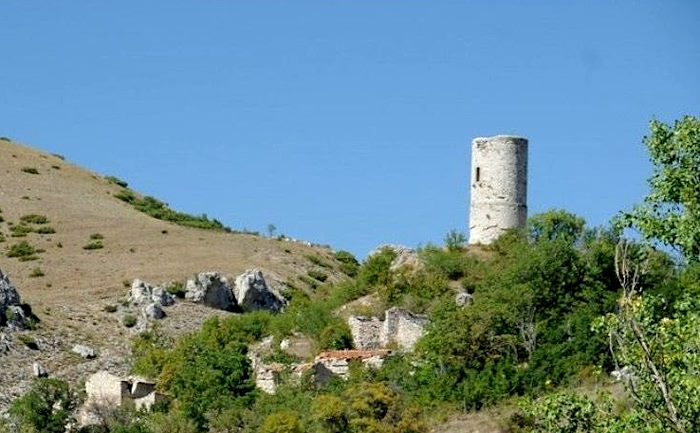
{"points": [[498, 187]]}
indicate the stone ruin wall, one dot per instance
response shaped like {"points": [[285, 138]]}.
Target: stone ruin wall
{"points": [[400, 327]]}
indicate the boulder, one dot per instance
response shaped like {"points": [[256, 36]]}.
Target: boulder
{"points": [[84, 351], [152, 311], [144, 293], [5, 343], [252, 293], [12, 314], [463, 298], [38, 370], [405, 257], [211, 289]]}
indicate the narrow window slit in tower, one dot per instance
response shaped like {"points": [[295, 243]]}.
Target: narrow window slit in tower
{"points": [[478, 173]]}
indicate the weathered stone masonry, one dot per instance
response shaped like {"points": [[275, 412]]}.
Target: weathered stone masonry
{"points": [[498, 187]]}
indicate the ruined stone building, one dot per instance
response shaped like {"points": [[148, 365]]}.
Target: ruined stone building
{"points": [[498, 187]]}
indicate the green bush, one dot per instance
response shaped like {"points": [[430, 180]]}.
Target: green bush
{"points": [[45, 230], [318, 275], [46, 408], [20, 231], [159, 210], [34, 219], [117, 181], [30, 170], [36, 272], [21, 249], [93, 245], [348, 263], [287, 421], [110, 308], [129, 320], [335, 336], [176, 288], [317, 260], [96, 236]]}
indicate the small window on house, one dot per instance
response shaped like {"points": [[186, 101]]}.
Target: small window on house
{"points": [[478, 174]]}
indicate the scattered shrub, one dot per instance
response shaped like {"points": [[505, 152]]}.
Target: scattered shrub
{"points": [[129, 320], [93, 245], [28, 341], [34, 219], [46, 408], [318, 275], [110, 308], [20, 230], [36, 272], [176, 288], [30, 170], [5, 139], [117, 181], [59, 156], [96, 236], [56, 167], [317, 260], [348, 263], [159, 210], [21, 249], [45, 230]]}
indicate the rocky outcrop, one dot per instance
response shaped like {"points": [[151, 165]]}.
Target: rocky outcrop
{"points": [[406, 258], [144, 293], [252, 293], [38, 370], [152, 311], [463, 298], [13, 314], [400, 328], [84, 351], [211, 289]]}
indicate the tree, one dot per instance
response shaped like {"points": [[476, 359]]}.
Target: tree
{"points": [[554, 225], [454, 240], [46, 408], [661, 356], [271, 230], [670, 212]]}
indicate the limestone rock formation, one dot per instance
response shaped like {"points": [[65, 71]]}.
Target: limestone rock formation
{"points": [[211, 289], [84, 351], [152, 311], [12, 314], [38, 370], [252, 293], [463, 298], [400, 327], [144, 293], [406, 258]]}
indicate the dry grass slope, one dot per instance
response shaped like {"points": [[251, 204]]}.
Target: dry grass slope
{"points": [[77, 283]]}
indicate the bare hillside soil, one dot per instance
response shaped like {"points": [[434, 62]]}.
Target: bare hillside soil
{"points": [[77, 283]]}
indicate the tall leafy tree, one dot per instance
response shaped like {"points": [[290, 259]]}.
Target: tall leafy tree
{"points": [[670, 212]]}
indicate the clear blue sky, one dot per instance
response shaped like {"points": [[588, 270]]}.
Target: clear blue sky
{"points": [[349, 122]]}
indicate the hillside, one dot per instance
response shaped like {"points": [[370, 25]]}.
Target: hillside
{"points": [[78, 283]]}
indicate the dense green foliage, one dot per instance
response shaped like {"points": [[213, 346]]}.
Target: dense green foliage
{"points": [[46, 408], [670, 213], [159, 210], [547, 306]]}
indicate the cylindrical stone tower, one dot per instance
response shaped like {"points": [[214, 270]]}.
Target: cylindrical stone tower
{"points": [[498, 187]]}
